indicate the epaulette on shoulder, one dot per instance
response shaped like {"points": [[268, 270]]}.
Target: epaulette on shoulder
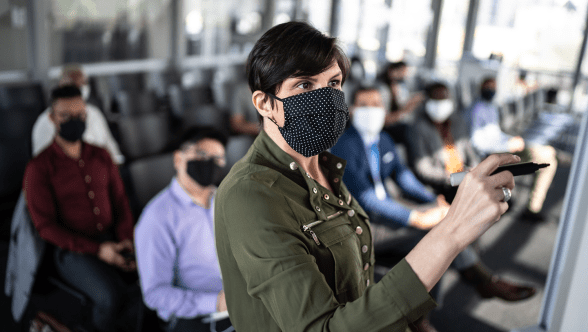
{"points": [[266, 177]]}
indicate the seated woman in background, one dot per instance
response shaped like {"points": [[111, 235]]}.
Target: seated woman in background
{"points": [[441, 143]]}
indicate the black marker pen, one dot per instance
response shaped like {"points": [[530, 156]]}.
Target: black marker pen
{"points": [[516, 169]]}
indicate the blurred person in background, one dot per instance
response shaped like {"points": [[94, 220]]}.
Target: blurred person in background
{"points": [[441, 142], [397, 228], [487, 137], [97, 131], [243, 118], [355, 79], [177, 261], [401, 102], [77, 202]]}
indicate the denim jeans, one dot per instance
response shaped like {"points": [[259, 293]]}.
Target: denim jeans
{"points": [[117, 303]]}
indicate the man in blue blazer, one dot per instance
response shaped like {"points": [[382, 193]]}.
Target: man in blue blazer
{"points": [[372, 157]]}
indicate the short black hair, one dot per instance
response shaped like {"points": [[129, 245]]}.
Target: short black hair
{"points": [[65, 92], [434, 86], [397, 65], [362, 88], [486, 80], [194, 135], [291, 49], [393, 66]]}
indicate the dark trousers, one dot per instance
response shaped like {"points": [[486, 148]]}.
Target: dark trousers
{"points": [[196, 325], [115, 295]]}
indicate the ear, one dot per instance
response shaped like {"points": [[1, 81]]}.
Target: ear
{"points": [[52, 116], [264, 107], [177, 160]]}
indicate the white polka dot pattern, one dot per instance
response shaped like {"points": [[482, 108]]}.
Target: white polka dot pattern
{"points": [[314, 120]]}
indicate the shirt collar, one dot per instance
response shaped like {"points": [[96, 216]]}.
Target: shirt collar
{"points": [[183, 196], [369, 140], [61, 154], [279, 160]]}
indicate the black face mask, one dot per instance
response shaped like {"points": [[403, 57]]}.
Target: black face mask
{"points": [[488, 94], [73, 129], [314, 120], [205, 172]]}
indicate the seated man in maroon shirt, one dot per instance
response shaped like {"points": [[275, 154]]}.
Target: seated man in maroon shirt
{"points": [[77, 202]]}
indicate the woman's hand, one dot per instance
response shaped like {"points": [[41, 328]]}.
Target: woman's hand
{"points": [[477, 206], [479, 200]]}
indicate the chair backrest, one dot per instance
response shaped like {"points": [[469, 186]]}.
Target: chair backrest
{"points": [[143, 135], [237, 147], [22, 96], [205, 116], [150, 175], [130, 104]]}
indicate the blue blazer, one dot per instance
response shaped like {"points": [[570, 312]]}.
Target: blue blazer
{"points": [[358, 176]]}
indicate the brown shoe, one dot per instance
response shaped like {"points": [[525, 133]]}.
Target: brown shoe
{"points": [[422, 325], [505, 290]]}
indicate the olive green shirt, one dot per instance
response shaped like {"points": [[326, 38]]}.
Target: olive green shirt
{"points": [[295, 256]]}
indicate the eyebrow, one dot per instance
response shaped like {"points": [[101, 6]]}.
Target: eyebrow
{"points": [[310, 78]]}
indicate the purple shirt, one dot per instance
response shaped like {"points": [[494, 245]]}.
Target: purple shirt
{"points": [[176, 255]]}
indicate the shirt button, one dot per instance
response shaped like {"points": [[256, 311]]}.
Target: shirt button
{"points": [[336, 180], [96, 211], [88, 179], [364, 249], [339, 165], [359, 230], [81, 163], [326, 197], [99, 226], [293, 166], [314, 190], [351, 213], [91, 194], [367, 284], [324, 158], [308, 175], [318, 208], [366, 266], [340, 202]]}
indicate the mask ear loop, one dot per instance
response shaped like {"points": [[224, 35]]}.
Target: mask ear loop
{"points": [[274, 96]]}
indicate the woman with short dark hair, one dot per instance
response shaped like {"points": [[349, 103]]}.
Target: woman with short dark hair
{"points": [[295, 248]]}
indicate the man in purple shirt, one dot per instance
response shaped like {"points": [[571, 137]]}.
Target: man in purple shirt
{"points": [[176, 255]]}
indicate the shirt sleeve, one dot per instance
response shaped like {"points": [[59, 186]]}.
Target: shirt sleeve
{"points": [[156, 256], [109, 141], [43, 133], [411, 186], [40, 202], [391, 210], [487, 137], [424, 161], [121, 211], [273, 258]]}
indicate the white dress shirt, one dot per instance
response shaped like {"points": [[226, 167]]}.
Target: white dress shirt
{"points": [[96, 133]]}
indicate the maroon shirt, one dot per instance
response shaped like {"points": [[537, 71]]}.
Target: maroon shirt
{"points": [[73, 202]]}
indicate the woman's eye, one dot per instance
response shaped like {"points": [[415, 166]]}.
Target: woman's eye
{"points": [[334, 83], [303, 85]]}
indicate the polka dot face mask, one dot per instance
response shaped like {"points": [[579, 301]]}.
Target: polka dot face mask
{"points": [[314, 120]]}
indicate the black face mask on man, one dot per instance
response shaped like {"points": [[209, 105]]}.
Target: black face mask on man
{"points": [[314, 120], [488, 94], [205, 172], [73, 129]]}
